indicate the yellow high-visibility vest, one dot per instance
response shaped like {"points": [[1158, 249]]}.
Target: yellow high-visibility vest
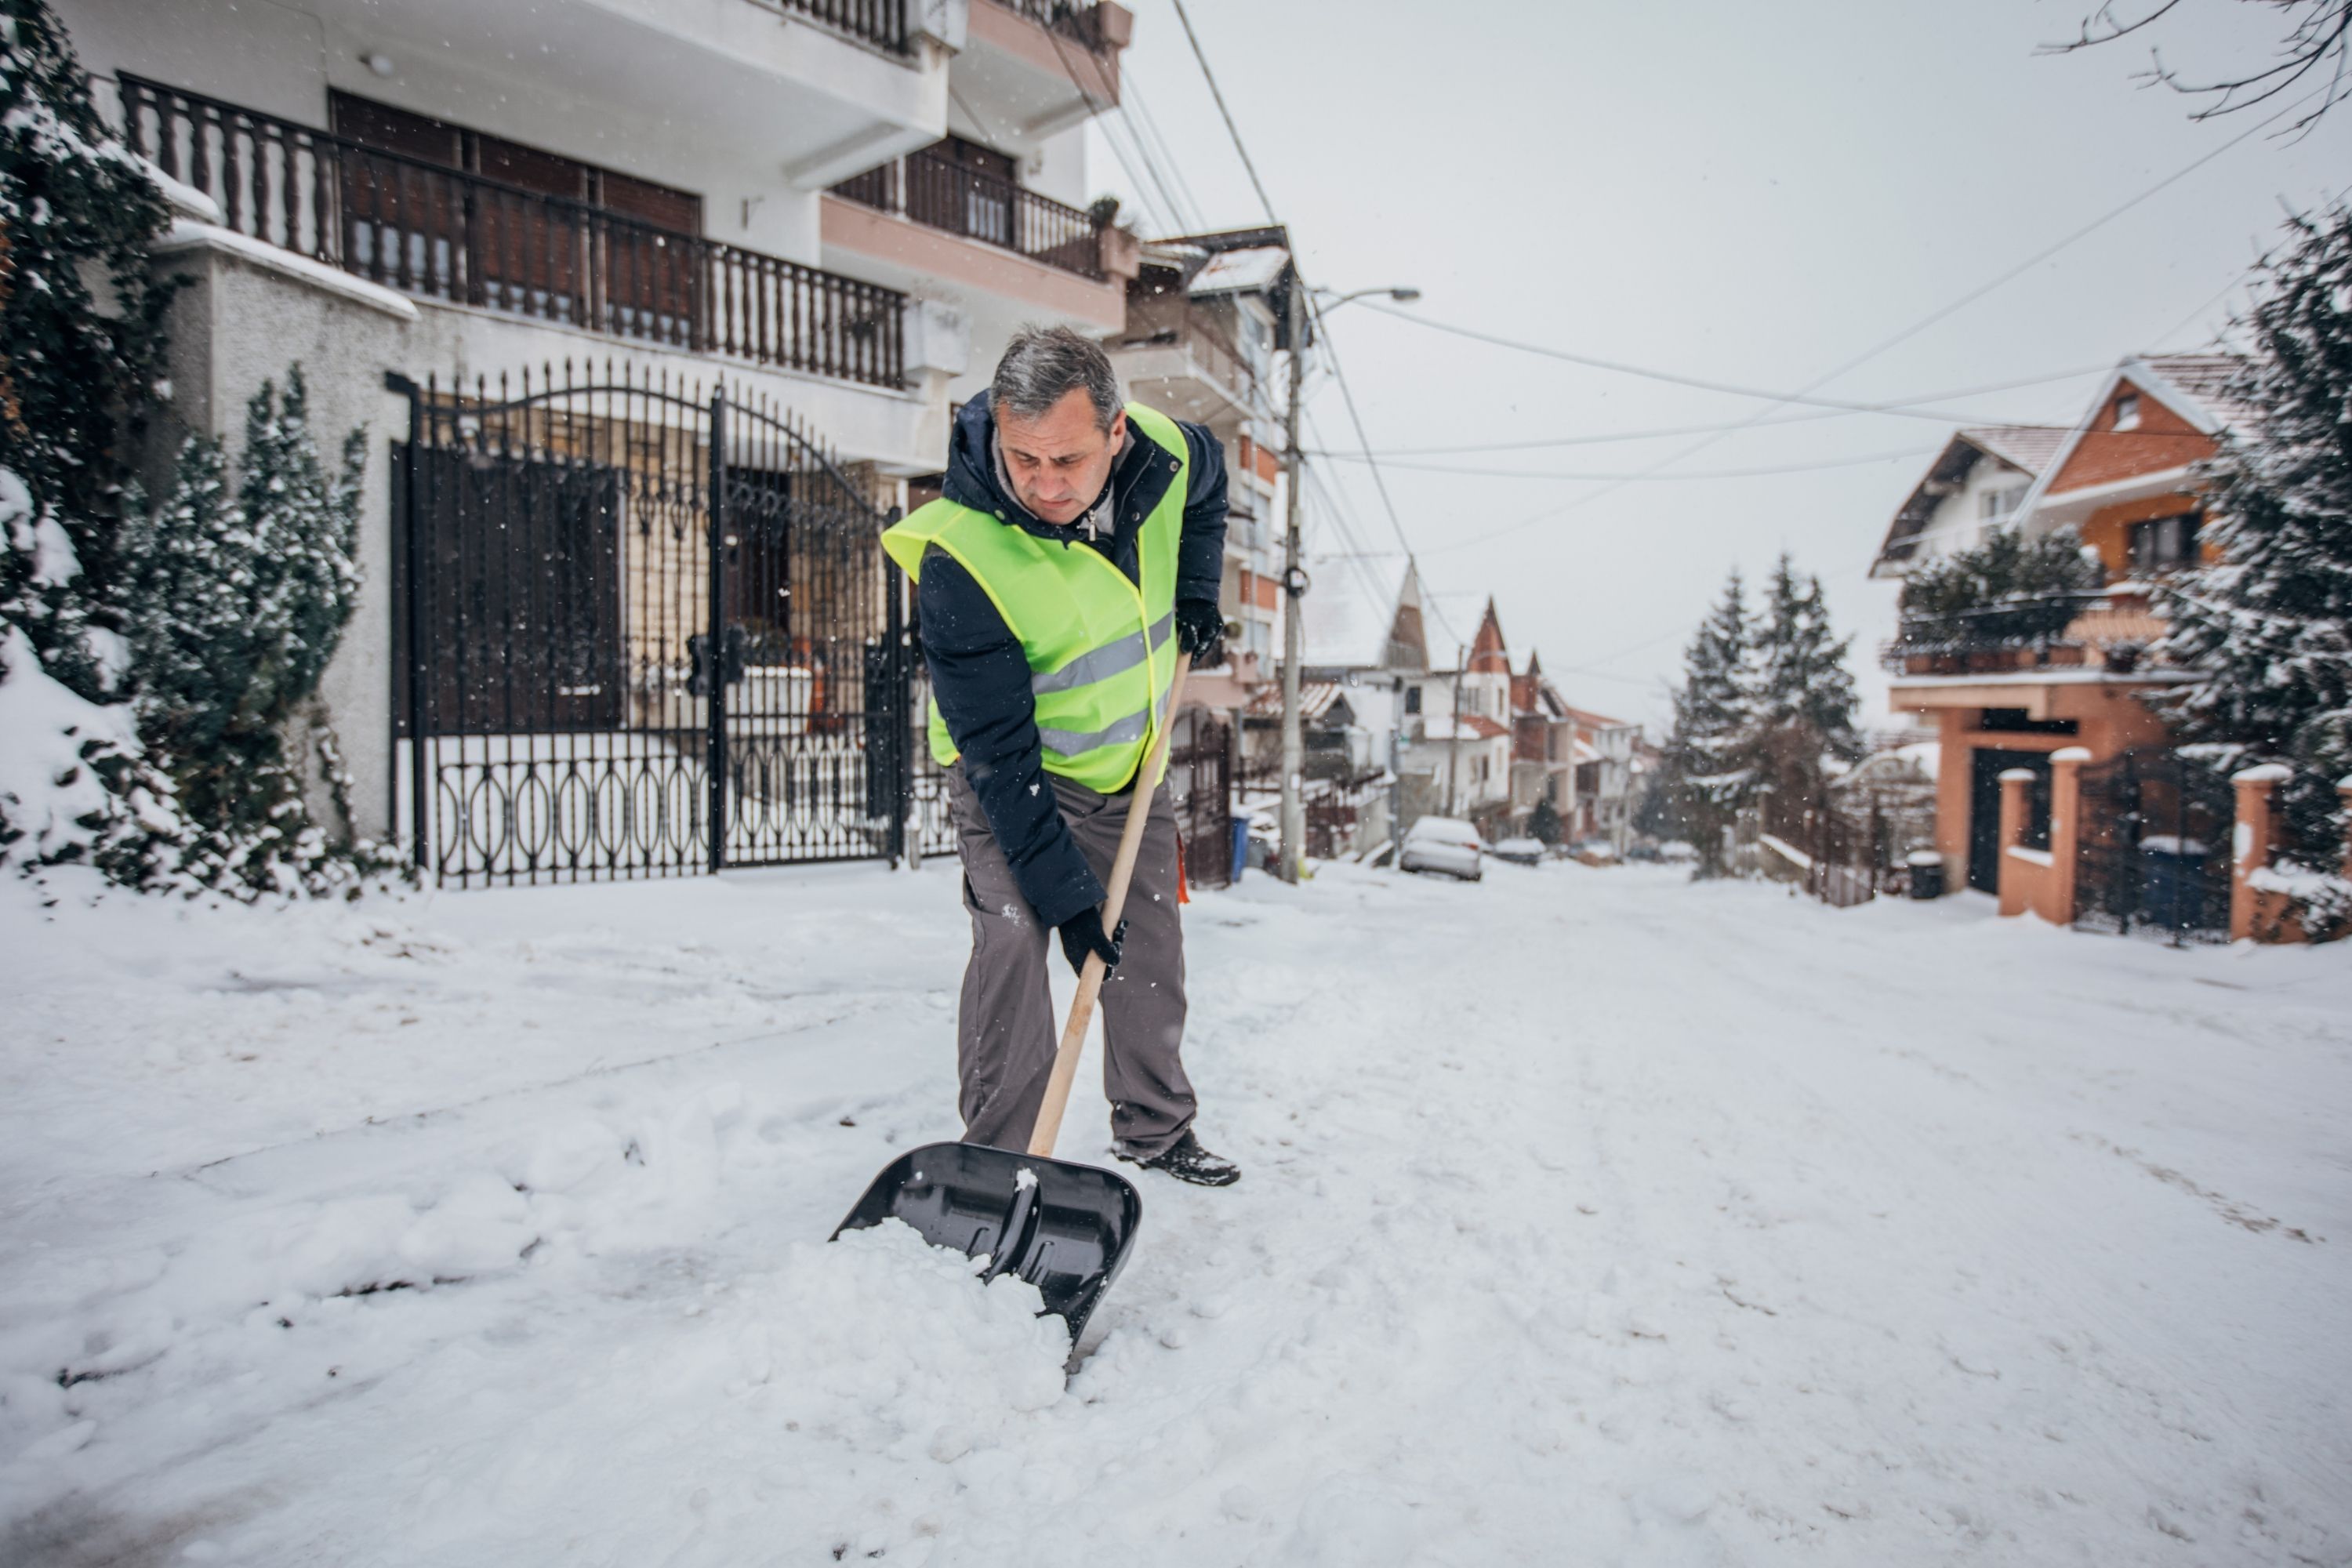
{"points": [[1101, 649]]}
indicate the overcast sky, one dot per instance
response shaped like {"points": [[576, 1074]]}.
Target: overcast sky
{"points": [[1741, 193]]}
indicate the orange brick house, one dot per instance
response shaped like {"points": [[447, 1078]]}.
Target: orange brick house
{"points": [[2125, 479]]}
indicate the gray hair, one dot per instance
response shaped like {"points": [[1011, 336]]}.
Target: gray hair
{"points": [[1043, 365]]}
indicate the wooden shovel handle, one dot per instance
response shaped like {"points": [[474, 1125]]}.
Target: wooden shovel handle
{"points": [[1091, 978]]}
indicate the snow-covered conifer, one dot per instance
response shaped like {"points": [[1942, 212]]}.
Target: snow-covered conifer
{"points": [[1802, 679], [2268, 625], [75, 205], [1704, 777]]}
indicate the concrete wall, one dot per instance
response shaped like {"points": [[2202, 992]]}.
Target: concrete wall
{"points": [[239, 322]]}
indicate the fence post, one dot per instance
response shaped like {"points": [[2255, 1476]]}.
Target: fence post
{"points": [[715, 758], [2251, 844], [898, 751], [2014, 782], [2344, 795], [2065, 826], [413, 569]]}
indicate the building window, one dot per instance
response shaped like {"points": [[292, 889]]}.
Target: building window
{"points": [[1412, 699], [2163, 543], [1998, 506], [2127, 411]]}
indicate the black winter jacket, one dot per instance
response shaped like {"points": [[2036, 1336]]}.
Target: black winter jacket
{"points": [[979, 674]]}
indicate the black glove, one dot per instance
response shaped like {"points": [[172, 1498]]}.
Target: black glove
{"points": [[1082, 933], [1201, 631]]}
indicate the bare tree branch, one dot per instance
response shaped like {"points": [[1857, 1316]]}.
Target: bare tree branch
{"points": [[2319, 39]]}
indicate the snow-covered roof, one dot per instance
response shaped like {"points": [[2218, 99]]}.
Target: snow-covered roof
{"points": [[2028, 449], [1250, 271], [2026, 446]]}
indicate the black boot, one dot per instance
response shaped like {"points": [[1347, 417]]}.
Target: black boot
{"points": [[1187, 1161]]}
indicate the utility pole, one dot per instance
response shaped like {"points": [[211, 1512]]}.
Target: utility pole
{"points": [[1294, 588]]}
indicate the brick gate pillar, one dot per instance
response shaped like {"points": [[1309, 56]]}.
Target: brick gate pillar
{"points": [[2251, 844], [2014, 782], [2065, 829]]}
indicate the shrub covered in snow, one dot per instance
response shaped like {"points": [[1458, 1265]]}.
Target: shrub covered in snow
{"points": [[236, 598], [2269, 624]]}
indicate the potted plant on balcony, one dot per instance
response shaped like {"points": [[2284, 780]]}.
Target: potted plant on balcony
{"points": [[2004, 603]]}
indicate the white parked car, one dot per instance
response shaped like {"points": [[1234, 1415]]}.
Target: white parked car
{"points": [[1444, 844]]}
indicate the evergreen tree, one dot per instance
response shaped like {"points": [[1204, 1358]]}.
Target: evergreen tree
{"points": [[1543, 823], [1704, 777], [1802, 679], [2269, 625], [74, 382], [238, 600], [74, 206]]}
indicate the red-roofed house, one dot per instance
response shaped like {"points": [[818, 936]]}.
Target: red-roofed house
{"points": [[2125, 479]]}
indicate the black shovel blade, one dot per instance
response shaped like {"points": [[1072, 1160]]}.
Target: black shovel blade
{"points": [[1064, 1228]]}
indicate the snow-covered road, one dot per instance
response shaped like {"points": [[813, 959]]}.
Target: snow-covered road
{"points": [[1589, 1216]]}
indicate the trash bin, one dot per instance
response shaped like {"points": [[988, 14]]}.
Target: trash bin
{"points": [[1240, 846], [1927, 868]]}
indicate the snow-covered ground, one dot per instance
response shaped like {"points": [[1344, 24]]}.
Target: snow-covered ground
{"points": [[1589, 1216]]}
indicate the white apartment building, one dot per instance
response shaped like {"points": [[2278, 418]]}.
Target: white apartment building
{"points": [[1203, 324], [834, 210]]}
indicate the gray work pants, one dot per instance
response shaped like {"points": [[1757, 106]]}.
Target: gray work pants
{"points": [[1006, 1031]]}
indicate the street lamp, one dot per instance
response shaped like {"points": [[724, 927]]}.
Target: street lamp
{"points": [[1294, 576]]}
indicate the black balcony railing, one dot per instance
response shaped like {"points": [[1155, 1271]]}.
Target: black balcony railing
{"points": [[443, 234], [2027, 632], [1063, 16], [882, 22], [934, 190]]}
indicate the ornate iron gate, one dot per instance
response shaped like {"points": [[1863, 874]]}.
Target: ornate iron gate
{"points": [[640, 631], [2154, 846], [1200, 786]]}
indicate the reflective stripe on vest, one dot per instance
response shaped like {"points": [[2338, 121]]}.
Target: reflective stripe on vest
{"points": [[1100, 650]]}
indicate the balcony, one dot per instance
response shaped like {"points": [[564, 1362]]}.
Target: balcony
{"points": [[442, 234], [939, 193], [2081, 633], [1032, 69], [1178, 360]]}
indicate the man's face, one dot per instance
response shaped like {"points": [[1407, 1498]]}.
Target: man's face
{"points": [[1059, 461]]}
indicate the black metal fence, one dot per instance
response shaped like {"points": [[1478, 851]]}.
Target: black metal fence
{"points": [[641, 630], [444, 233], [1199, 787], [2153, 847], [934, 190]]}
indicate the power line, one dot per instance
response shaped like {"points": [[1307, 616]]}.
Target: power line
{"points": [[1147, 126], [1231, 129], [1651, 478], [1892, 406], [1903, 408], [1904, 336]]}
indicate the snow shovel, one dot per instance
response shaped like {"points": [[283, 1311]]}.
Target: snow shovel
{"points": [[1063, 1227]]}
